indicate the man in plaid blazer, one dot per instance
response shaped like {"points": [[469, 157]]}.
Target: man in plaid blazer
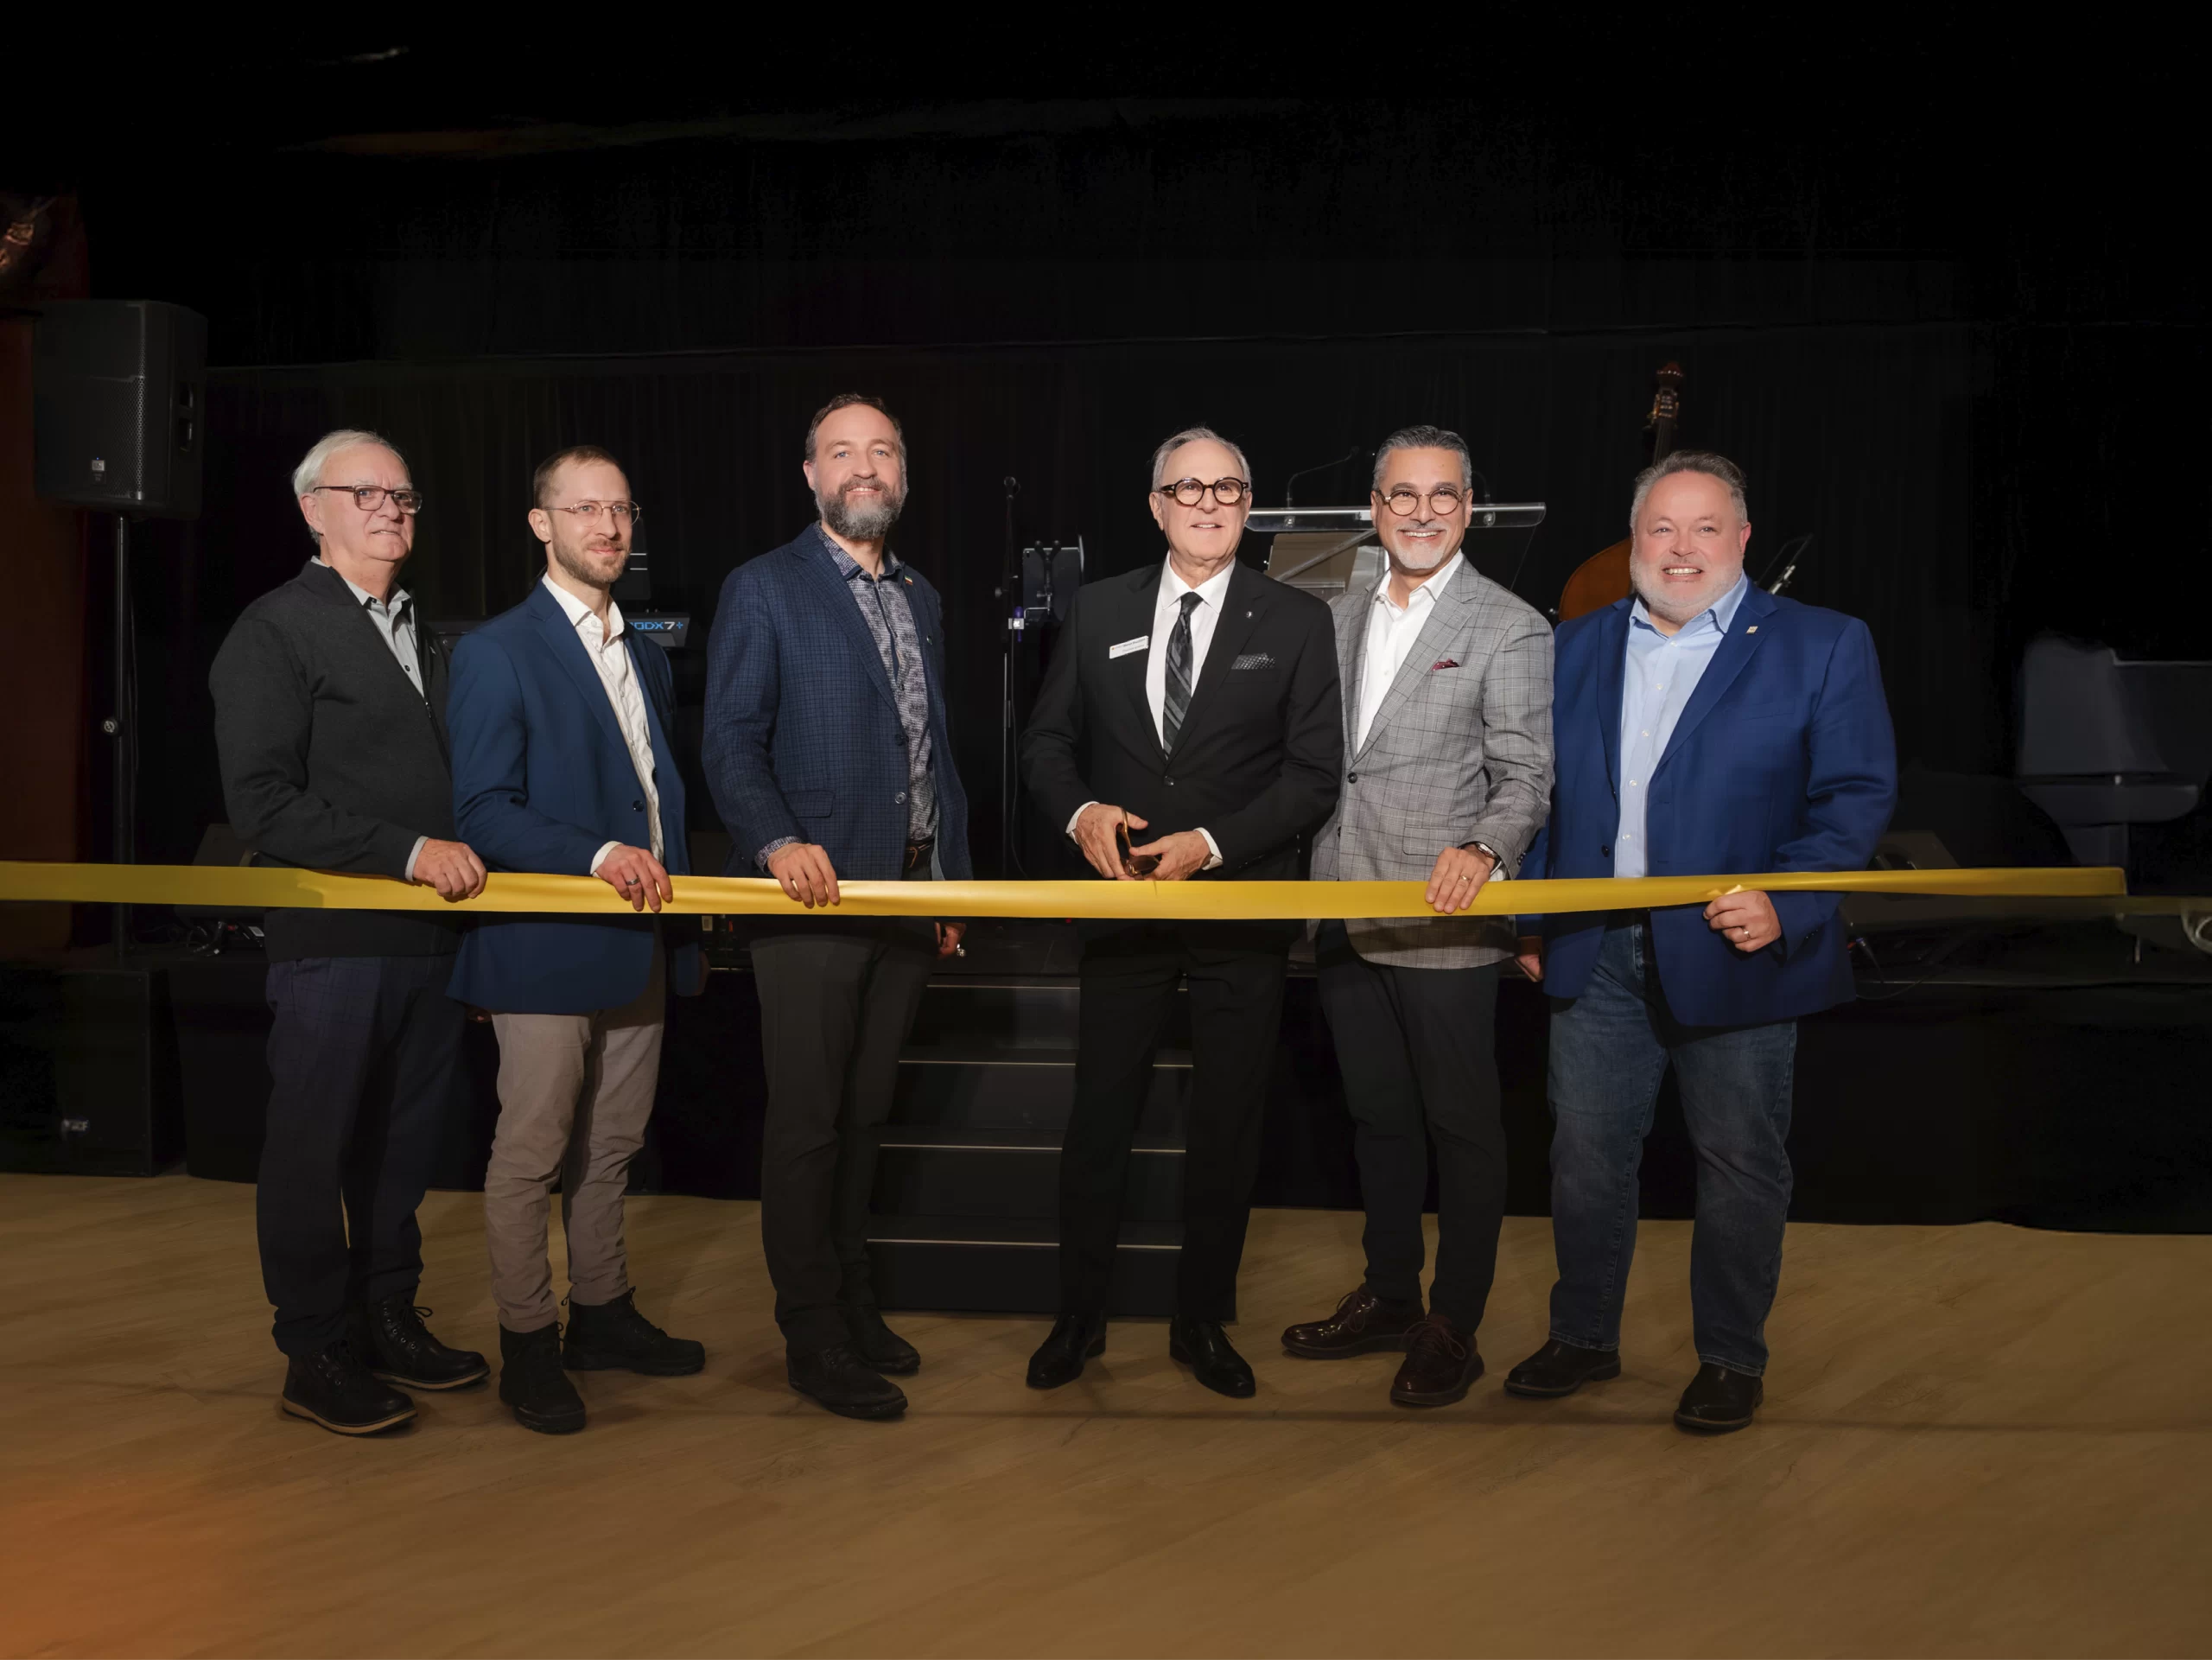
{"points": [[1448, 683], [828, 755]]}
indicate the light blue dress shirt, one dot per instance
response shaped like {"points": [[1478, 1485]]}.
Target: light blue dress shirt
{"points": [[1661, 672]]}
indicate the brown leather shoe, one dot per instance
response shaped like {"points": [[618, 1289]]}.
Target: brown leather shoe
{"points": [[1364, 1324], [1441, 1365]]}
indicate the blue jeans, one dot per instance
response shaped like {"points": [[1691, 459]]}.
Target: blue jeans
{"points": [[1610, 1048]]}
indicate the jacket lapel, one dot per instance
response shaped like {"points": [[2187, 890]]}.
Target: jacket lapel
{"points": [[1446, 616], [1612, 649], [1728, 661], [836, 598], [1243, 603], [1352, 658], [561, 638], [1131, 619]]}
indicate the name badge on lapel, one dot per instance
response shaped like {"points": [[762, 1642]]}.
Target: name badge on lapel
{"points": [[1127, 646]]}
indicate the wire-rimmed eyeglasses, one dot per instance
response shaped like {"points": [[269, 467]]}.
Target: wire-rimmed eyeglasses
{"points": [[623, 513], [369, 497], [1191, 492], [1441, 503]]}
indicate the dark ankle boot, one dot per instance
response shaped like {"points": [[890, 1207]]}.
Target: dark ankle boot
{"points": [[532, 1382], [389, 1334], [615, 1337], [334, 1389]]}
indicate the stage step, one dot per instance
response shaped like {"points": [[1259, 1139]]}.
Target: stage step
{"points": [[1000, 1266], [966, 1204], [972, 1086], [1008, 1174]]}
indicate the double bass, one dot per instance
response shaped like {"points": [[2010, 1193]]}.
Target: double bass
{"points": [[1602, 578]]}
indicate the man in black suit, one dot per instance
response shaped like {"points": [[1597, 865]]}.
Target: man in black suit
{"points": [[1195, 701], [330, 705]]}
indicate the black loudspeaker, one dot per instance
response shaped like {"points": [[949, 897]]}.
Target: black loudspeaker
{"points": [[118, 392], [88, 1070]]}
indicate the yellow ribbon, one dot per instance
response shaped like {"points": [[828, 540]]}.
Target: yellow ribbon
{"points": [[242, 888]]}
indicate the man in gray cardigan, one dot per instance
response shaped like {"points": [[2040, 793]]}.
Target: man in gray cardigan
{"points": [[330, 721], [1448, 683]]}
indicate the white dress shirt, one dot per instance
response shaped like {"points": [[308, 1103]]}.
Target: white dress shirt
{"points": [[1166, 609], [1391, 630], [608, 648], [394, 616]]}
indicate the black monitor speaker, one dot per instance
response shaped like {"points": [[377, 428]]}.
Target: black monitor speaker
{"points": [[120, 391]]}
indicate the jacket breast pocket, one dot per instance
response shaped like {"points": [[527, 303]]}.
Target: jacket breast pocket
{"points": [[811, 803]]}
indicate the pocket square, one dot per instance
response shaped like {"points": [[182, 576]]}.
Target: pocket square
{"points": [[1444, 662], [1253, 660]]}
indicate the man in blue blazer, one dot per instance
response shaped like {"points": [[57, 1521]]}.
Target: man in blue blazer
{"points": [[561, 720], [828, 755], [1702, 726]]}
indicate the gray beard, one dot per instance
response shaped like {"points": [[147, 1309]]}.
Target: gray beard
{"points": [[860, 523]]}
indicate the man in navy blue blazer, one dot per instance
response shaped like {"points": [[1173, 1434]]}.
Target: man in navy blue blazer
{"points": [[828, 755], [561, 763], [1702, 726]]}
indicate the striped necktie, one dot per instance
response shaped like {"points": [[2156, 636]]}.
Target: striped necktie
{"points": [[1178, 703]]}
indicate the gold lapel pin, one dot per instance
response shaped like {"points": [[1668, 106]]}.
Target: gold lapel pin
{"points": [[1753, 629]]}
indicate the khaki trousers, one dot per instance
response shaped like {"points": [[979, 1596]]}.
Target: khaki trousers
{"points": [[575, 1093]]}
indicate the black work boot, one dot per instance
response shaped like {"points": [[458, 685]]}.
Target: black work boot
{"points": [[334, 1389], [389, 1334], [532, 1382], [878, 1345], [615, 1337]]}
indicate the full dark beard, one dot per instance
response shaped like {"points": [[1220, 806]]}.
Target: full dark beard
{"points": [[862, 524]]}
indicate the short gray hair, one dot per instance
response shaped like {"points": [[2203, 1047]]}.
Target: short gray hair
{"points": [[1426, 437], [1690, 460], [1194, 435], [308, 473]]}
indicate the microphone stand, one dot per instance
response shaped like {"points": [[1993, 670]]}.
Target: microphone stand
{"points": [[1009, 733]]}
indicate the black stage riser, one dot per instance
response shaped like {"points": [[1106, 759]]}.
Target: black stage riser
{"points": [[1012, 1183], [931, 1264], [1031, 1091]]}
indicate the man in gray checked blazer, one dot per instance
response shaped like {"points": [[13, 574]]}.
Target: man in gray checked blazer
{"points": [[1447, 692]]}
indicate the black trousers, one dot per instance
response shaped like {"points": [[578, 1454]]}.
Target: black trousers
{"points": [[365, 1057], [1128, 976], [836, 1002], [1419, 1057]]}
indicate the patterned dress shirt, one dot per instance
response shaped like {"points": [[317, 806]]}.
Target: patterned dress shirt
{"points": [[890, 622]]}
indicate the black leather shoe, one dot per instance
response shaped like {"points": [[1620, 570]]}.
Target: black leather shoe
{"points": [[1075, 1339], [334, 1389], [1202, 1346], [389, 1334], [1441, 1365], [838, 1378], [615, 1337], [878, 1345], [1718, 1400], [1364, 1324], [532, 1382], [1560, 1369]]}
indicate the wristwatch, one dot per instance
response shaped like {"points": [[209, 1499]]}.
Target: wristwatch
{"points": [[1499, 872]]}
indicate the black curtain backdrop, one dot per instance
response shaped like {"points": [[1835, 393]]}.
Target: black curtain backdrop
{"points": [[1971, 370], [712, 443]]}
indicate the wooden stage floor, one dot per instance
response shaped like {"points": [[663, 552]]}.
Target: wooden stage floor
{"points": [[1977, 1441]]}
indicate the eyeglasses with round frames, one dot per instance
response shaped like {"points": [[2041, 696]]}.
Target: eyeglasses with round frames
{"points": [[1441, 503], [623, 513], [369, 497], [1191, 492]]}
